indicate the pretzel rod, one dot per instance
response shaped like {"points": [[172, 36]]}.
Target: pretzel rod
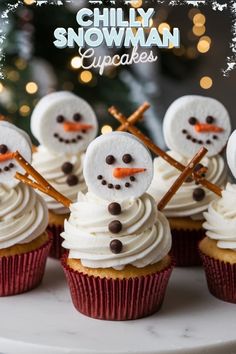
{"points": [[180, 180], [41, 184], [136, 116], [159, 152]]}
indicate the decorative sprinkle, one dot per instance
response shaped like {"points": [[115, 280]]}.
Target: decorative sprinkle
{"points": [[198, 194], [67, 168], [127, 184], [116, 246], [114, 208], [132, 178], [115, 226], [99, 177], [72, 180]]}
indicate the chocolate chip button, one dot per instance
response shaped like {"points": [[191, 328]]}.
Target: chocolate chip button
{"points": [[110, 159], [115, 226], [60, 119], [192, 121], [67, 168], [198, 194], [3, 149], [116, 246], [209, 119], [114, 208], [127, 158], [72, 180], [77, 117]]}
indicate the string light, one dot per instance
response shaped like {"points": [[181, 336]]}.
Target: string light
{"points": [[206, 38], [199, 31], [206, 82], [24, 110], [199, 20], [76, 62], [31, 88], [136, 3], [1, 87], [203, 46], [86, 76], [13, 75], [29, 2], [162, 26], [106, 129], [20, 63]]}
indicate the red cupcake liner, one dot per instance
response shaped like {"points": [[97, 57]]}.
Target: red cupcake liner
{"points": [[56, 250], [23, 272], [185, 247], [117, 299], [221, 278]]}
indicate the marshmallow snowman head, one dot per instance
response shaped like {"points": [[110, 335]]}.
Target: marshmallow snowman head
{"points": [[194, 121], [12, 139], [117, 167], [231, 153], [64, 123]]}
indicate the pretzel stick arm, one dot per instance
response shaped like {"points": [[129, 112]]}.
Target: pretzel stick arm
{"points": [[159, 152], [136, 116], [180, 180], [40, 184]]}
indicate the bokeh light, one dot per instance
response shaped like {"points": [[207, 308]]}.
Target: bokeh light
{"points": [[86, 76], [206, 82], [31, 88], [106, 129], [162, 26], [76, 62], [24, 110]]}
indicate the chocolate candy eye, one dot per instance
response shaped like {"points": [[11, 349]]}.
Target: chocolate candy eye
{"points": [[192, 121], [210, 120], [127, 158], [60, 119], [110, 159], [3, 149], [77, 117]]}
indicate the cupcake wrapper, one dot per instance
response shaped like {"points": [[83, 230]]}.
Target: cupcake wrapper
{"points": [[185, 247], [117, 299], [221, 278], [57, 250], [23, 272]]}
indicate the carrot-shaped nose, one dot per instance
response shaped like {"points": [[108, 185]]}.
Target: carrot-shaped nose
{"points": [[120, 172], [76, 127], [6, 157], [207, 128]]}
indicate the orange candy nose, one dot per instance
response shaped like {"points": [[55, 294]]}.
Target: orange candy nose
{"points": [[7, 156], [120, 172], [207, 128], [76, 127]]}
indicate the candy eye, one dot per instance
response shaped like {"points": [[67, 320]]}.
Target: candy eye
{"points": [[210, 119], [192, 121], [110, 159], [127, 158], [77, 117], [3, 149], [60, 119]]}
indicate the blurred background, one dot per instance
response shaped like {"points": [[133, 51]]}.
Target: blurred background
{"points": [[33, 66]]}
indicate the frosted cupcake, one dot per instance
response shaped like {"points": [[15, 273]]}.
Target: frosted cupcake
{"points": [[189, 123], [218, 248], [64, 125], [118, 265], [24, 243]]}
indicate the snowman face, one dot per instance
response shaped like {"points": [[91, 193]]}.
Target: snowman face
{"points": [[12, 139], [64, 123], [194, 121], [117, 167], [231, 153]]}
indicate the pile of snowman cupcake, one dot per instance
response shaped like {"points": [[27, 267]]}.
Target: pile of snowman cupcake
{"points": [[116, 248]]}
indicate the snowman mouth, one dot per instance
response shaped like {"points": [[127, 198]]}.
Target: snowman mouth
{"points": [[110, 185], [7, 168], [64, 140], [198, 141]]}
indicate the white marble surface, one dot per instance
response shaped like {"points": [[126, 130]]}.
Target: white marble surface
{"points": [[190, 322]]}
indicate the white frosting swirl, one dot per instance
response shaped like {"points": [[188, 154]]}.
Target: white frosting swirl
{"points": [[49, 165], [221, 219], [145, 234], [183, 204], [23, 215]]}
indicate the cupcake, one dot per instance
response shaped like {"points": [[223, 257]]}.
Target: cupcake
{"points": [[218, 248], [64, 125], [189, 123], [24, 242], [118, 265]]}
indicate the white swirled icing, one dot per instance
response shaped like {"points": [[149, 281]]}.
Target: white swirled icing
{"points": [[183, 204], [145, 233], [49, 165], [221, 219], [23, 215]]}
